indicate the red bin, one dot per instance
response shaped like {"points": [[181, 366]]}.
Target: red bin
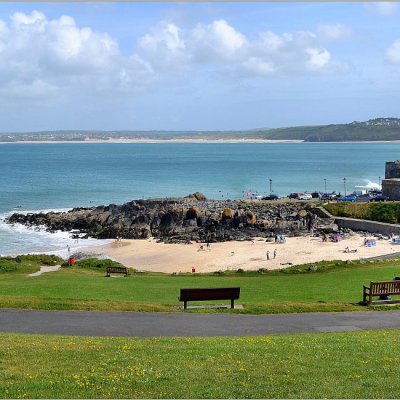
{"points": [[71, 261], [193, 270]]}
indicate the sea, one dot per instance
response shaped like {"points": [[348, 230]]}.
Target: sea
{"points": [[59, 176]]}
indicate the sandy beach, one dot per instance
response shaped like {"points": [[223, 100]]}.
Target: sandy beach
{"points": [[148, 255]]}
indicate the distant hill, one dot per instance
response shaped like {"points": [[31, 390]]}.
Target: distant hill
{"points": [[371, 130]]}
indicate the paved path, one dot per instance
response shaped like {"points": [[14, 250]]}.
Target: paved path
{"points": [[97, 323]]}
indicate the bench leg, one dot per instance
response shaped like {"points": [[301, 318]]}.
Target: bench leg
{"points": [[184, 304], [232, 303]]}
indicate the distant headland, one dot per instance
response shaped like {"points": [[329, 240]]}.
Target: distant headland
{"points": [[378, 129]]}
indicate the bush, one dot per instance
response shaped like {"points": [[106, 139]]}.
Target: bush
{"points": [[384, 212], [381, 212], [97, 264]]}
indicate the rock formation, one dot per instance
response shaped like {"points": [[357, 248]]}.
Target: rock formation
{"points": [[182, 220]]}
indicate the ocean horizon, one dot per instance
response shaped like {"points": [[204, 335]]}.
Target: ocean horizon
{"points": [[60, 176]]}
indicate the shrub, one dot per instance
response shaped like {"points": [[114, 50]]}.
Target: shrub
{"points": [[381, 212], [97, 264]]}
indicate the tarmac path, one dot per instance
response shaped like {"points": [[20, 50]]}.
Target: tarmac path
{"points": [[130, 324]]}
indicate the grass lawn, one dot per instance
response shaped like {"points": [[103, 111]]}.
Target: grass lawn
{"points": [[336, 286], [327, 365]]}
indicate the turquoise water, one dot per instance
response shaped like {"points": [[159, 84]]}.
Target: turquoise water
{"points": [[60, 176]]}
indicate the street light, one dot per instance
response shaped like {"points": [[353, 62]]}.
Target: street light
{"points": [[325, 184], [270, 185], [344, 183], [379, 187]]}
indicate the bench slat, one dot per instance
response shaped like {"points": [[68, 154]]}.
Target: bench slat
{"points": [[117, 270], [380, 289]]}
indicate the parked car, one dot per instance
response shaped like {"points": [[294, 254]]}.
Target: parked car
{"points": [[271, 197], [294, 195], [316, 195], [350, 197], [379, 197], [305, 196], [328, 196], [375, 192], [363, 198]]}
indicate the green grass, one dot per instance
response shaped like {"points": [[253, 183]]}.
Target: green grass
{"points": [[382, 212], [336, 286], [27, 263], [327, 365]]}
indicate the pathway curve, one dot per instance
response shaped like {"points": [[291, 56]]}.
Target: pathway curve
{"points": [[46, 268], [98, 323]]}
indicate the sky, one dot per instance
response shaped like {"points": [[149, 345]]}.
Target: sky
{"points": [[196, 66]]}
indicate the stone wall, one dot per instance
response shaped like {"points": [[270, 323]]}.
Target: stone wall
{"points": [[391, 188], [367, 226]]}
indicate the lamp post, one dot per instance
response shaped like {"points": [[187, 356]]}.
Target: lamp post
{"points": [[270, 185], [344, 183], [379, 186], [325, 184]]}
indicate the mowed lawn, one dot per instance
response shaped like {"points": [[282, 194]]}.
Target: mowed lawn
{"points": [[327, 365], [337, 289]]}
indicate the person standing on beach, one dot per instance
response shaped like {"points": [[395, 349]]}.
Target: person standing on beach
{"points": [[268, 255], [274, 253]]}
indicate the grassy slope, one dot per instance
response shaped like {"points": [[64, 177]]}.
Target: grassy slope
{"points": [[382, 212], [339, 288], [328, 365]]}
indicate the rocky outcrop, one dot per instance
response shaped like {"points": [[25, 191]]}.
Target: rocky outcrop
{"points": [[182, 220]]}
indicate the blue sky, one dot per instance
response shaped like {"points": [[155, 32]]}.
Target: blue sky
{"points": [[196, 66]]}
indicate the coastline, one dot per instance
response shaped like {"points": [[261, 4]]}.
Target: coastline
{"points": [[148, 255], [196, 141], [116, 141]]}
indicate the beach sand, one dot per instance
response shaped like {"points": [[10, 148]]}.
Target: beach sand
{"points": [[148, 255]]}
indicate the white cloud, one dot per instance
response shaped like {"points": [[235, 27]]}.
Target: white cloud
{"points": [[334, 31], [164, 46], [290, 54], [3, 29], [34, 21], [393, 52], [383, 7], [50, 58], [168, 38], [40, 57], [318, 58], [216, 40]]}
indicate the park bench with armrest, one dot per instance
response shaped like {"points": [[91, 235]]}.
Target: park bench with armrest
{"points": [[117, 270], [201, 294], [385, 288]]}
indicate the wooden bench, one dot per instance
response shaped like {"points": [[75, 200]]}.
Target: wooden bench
{"points": [[117, 270], [385, 288], [200, 294]]}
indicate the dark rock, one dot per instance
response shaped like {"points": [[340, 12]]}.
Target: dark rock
{"points": [[179, 220]]}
